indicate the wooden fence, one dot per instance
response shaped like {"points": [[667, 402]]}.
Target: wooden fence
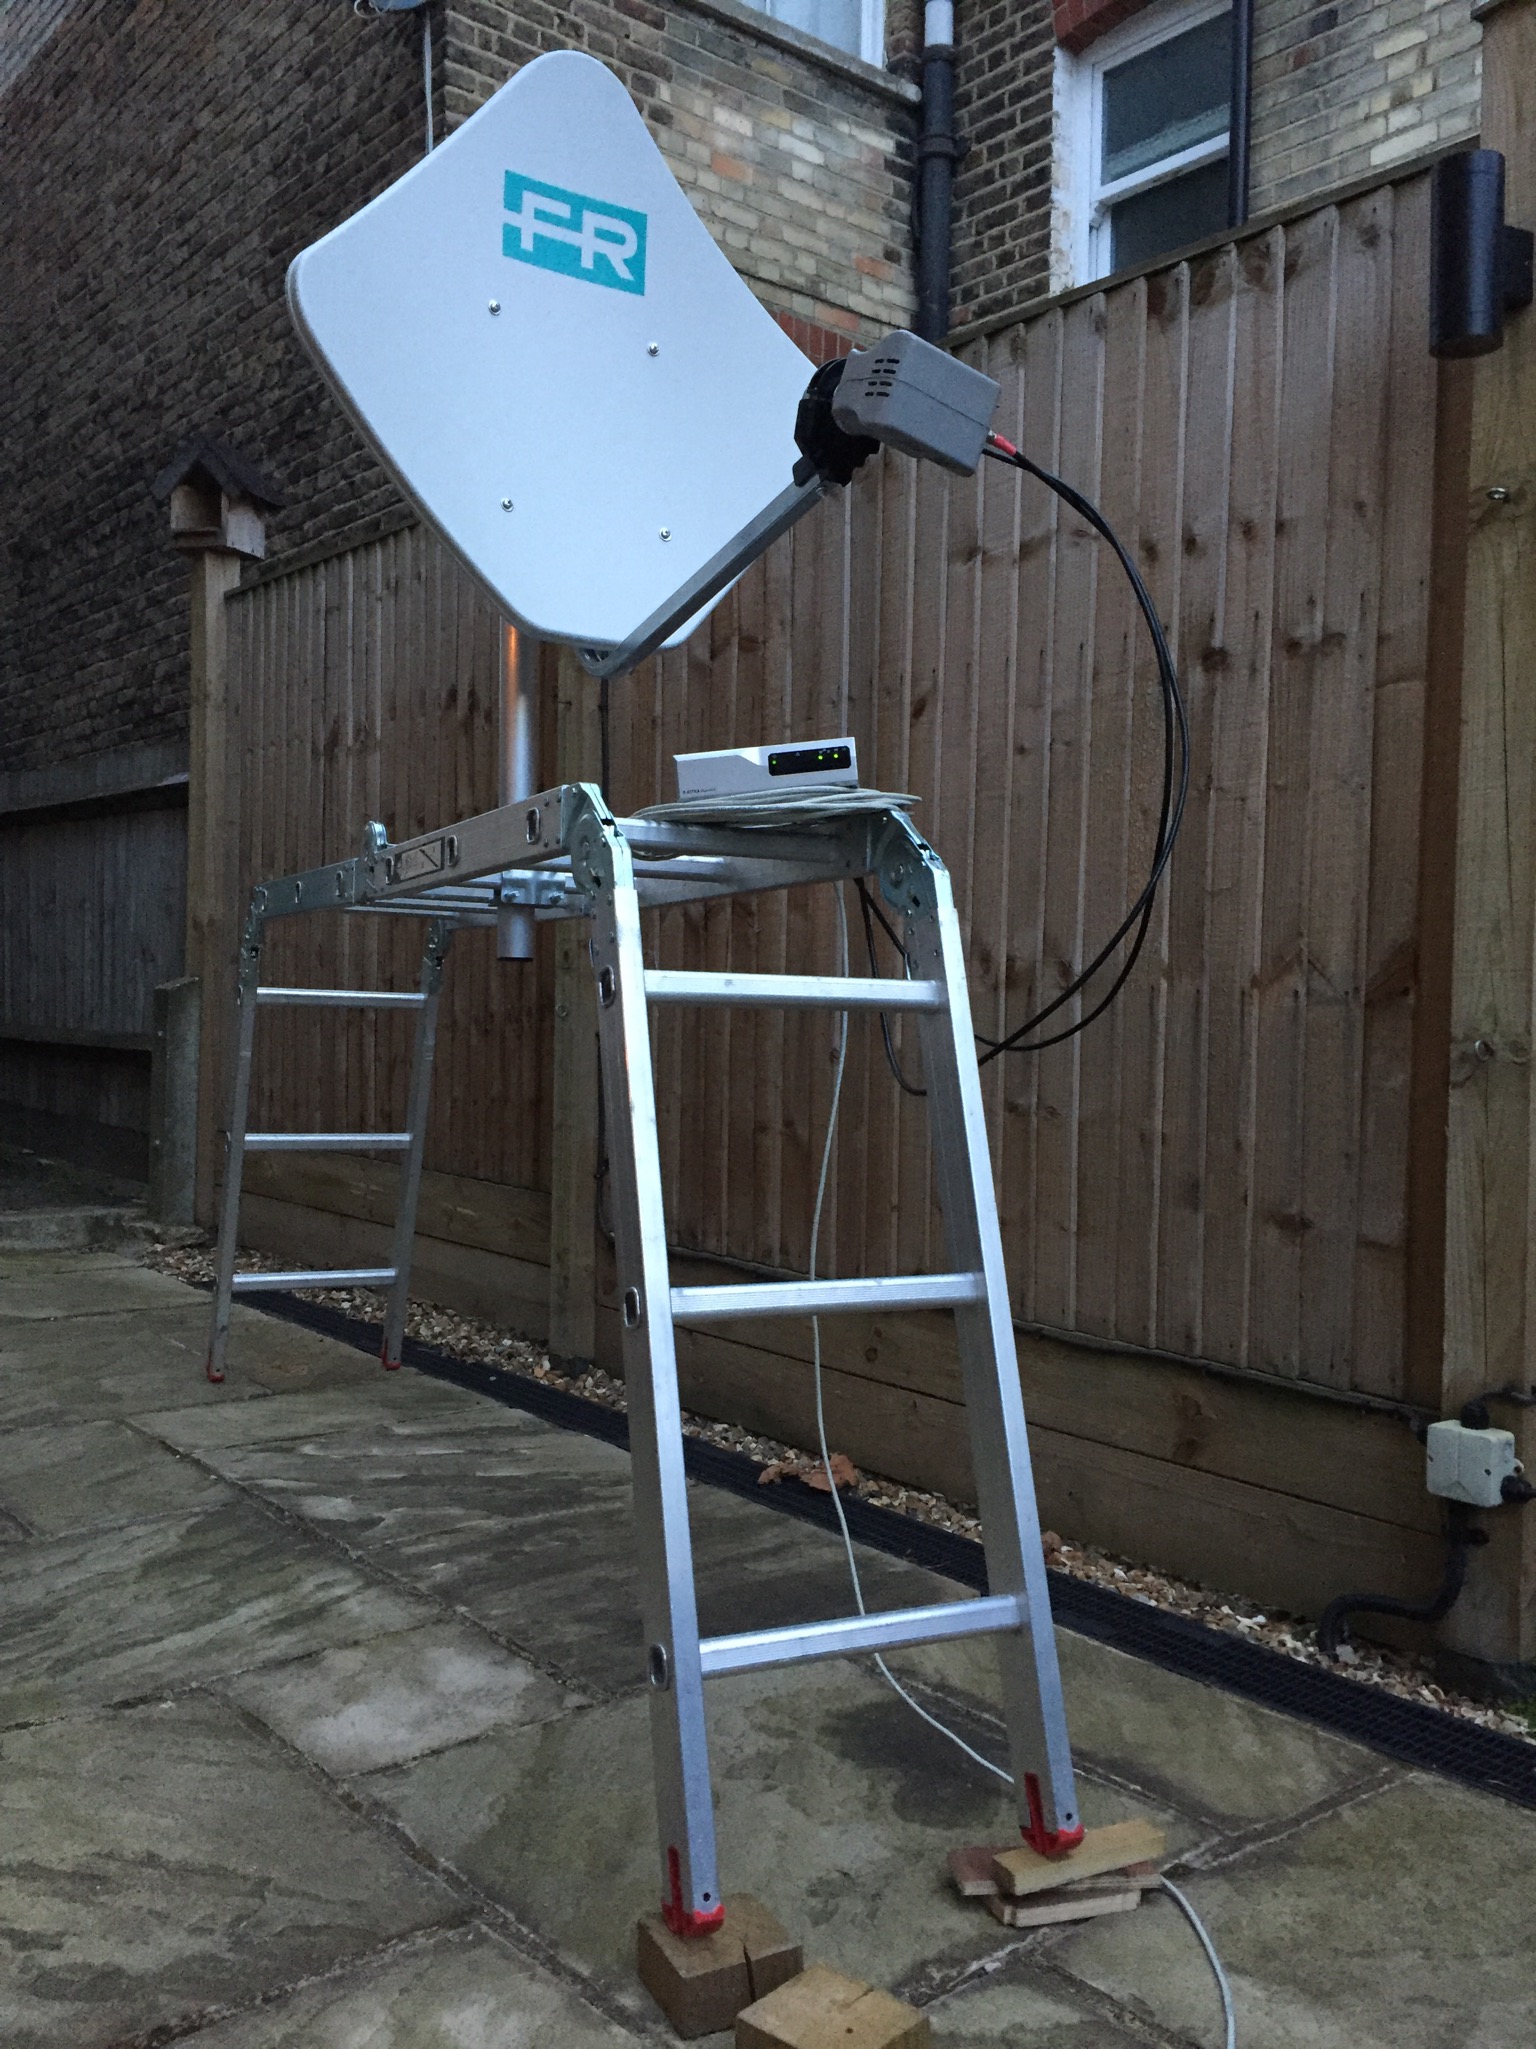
{"points": [[1240, 1167], [92, 899]]}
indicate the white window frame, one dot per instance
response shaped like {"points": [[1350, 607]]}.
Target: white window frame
{"points": [[1080, 200], [871, 30]]}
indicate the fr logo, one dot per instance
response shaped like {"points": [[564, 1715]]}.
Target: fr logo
{"points": [[579, 237]]}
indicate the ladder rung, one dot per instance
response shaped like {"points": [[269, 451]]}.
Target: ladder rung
{"points": [[371, 999], [824, 1298], [337, 1277], [326, 1141], [826, 992], [885, 1632]]}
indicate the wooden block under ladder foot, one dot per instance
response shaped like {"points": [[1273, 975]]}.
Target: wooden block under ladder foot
{"points": [[822, 2009], [701, 1982], [1102, 1849], [973, 1871], [1084, 1901]]}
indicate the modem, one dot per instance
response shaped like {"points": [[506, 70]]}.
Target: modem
{"points": [[739, 771]]}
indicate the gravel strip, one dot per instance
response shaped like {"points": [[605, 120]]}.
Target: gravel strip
{"points": [[465, 1337]]}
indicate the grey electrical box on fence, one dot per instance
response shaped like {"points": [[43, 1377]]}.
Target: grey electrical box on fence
{"points": [[914, 397]]}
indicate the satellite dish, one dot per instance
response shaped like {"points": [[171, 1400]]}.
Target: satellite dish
{"points": [[542, 343]]}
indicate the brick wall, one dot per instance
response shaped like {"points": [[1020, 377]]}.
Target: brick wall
{"points": [[1003, 111], [1342, 89], [1350, 87], [1081, 22], [800, 164], [159, 167]]}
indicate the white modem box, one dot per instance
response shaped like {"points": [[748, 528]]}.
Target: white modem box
{"points": [[795, 765]]}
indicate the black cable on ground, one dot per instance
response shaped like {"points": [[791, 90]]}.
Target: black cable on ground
{"points": [[1461, 1536]]}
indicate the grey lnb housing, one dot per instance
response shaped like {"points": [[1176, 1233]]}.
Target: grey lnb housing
{"points": [[911, 396]]}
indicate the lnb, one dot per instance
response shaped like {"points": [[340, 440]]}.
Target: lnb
{"points": [[902, 393]]}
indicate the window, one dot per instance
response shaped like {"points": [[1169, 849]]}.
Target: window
{"points": [[857, 26], [1144, 116]]}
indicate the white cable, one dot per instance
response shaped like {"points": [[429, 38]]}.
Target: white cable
{"points": [[1227, 2014], [1222, 1986], [770, 809]]}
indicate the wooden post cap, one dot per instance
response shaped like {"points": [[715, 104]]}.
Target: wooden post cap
{"points": [[701, 1982], [821, 2009]]}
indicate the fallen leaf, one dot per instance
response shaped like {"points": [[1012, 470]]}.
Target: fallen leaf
{"points": [[844, 1474]]}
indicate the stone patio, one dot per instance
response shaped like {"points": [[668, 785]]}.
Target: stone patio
{"points": [[323, 1725]]}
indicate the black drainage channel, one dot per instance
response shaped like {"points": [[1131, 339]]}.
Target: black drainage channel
{"points": [[1405, 1730]]}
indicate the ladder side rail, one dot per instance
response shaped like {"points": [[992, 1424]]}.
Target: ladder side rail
{"points": [[679, 1738], [234, 1157], [419, 1099], [1034, 1710]]}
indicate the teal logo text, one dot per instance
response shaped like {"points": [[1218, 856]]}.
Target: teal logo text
{"points": [[577, 236]]}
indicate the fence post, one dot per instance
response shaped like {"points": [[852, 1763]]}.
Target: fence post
{"points": [[173, 1101], [217, 506], [1490, 1306]]}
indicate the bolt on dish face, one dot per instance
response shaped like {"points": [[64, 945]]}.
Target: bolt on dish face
{"points": [[533, 320]]}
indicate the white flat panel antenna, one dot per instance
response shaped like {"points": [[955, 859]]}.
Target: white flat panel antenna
{"points": [[546, 349]]}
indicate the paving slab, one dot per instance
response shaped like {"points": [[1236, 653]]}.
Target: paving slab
{"points": [[461, 1990], [836, 1807], [34, 1292], [162, 1863], [87, 1476], [73, 1368], [110, 1615], [531, 1530], [1407, 1920], [387, 1401], [1180, 1741], [397, 1697], [138, 1896], [1019, 2007]]}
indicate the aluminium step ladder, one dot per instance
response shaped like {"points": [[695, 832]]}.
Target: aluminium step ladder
{"points": [[251, 997], [1017, 1605], [563, 854]]}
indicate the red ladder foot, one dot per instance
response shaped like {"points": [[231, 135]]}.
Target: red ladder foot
{"points": [[1046, 1842], [683, 1920]]}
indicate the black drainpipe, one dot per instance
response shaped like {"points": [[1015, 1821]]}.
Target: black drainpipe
{"points": [[1242, 112], [936, 153]]}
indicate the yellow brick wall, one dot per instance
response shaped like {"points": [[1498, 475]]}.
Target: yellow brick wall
{"points": [[1351, 87], [799, 161]]}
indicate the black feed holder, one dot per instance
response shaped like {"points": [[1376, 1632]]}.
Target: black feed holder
{"points": [[1480, 267]]}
